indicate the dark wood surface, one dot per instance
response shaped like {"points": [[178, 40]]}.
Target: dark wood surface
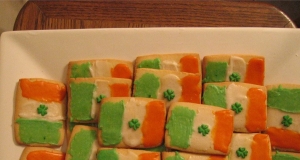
{"points": [[37, 15]]}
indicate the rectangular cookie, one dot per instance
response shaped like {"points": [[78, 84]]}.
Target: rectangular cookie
{"points": [[85, 94], [248, 101], [41, 153], [283, 124], [199, 128], [40, 112], [126, 154], [250, 146], [83, 143], [182, 62], [191, 156], [128, 122], [170, 86], [100, 68], [71, 125], [236, 67]]}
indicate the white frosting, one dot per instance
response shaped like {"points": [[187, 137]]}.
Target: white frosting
{"points": [[169, 65], [237, 65], [243, 141], [199, 157], [128, 155], [102, 88], [133, 110], [170, 81], [198, 141], [275, 117], [101, 69], [93, 155], [29, 107], [236, 93]]}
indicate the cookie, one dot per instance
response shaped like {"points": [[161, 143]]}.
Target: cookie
{"points": [[40, 109], [188, 156], [248, 101], [41, 153], [124, 154]]}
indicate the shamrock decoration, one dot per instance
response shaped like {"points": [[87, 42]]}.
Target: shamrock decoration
{"points": [[99, 98], [286, 120], [169, 94], [203, 129], [241, 152], [42, 110], [236, 107], [134, 124], [235, 77]]}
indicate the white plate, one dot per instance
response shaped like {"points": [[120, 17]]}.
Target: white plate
{"points": [[45, 54]]}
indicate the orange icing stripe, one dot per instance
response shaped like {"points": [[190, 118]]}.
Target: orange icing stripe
{"points": [[189, 64], [149, 156], [283, 138], [45, 155], [119, 90], [121, 71], [191, 90], [256, 119], [154, 123], [260, 147], [42, 91], [255, 71], [223, 130]]}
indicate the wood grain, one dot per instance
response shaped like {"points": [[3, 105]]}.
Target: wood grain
{"points": [[36, 15]]}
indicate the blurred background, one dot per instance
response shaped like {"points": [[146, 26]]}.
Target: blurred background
{"points": [[9, 10]]}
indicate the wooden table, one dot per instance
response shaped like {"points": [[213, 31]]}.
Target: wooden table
{"points": [[37, 15]]}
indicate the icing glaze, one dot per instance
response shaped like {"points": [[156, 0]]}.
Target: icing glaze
{"points": [[110, 154], [111, 129], [150, 63], [45, 155], [260, 147], [215, 72], [169, 94], [284, 156], [39, 131], [240, 140], [102, 88], [120, 90], [215, 96], [286, 121], [42, 91], [134, 124], [191, 90], [81, 70], [81, 144], [203, 129], [283, 138], [127, 155], [180, 126], [275, 120], [101, 69], [175, 157], [284, 99], [241, 152], [255, 72], [235, 77], [42, 109], [149, 156], [190, 64], [236, 65], [170, 81], [170, 65], [121, 71], [147, 86]]}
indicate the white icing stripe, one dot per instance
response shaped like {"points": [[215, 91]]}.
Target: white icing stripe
{"points": [[236, 93], [29, 107], [93, 155], [133, 110], [197, 140], [170, 81], [236, 65], [199, 157], [170, 65], [102, 88], [275, 117], [243, 141], [128, 155], [101, 69]]}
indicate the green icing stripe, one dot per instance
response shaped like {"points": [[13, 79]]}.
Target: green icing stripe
{"points": [[108, 154], [81, 101], [152, 63], [215, 72], [284, 99], [82, 144], [110, 122], [81, 70], [180, 126], [73, 124], [215, 96], [280, 156], [39, 131], [147, 86], [176, 157]]}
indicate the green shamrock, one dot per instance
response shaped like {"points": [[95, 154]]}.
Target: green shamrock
{"points": [[235, 77], [134, 124], [286, 120], [42, 110], [203, 129], [242, 152], [99, 98], [236, 107], [169, 94]]}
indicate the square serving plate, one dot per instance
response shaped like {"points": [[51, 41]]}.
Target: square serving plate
{"points": [[45, 54]]}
